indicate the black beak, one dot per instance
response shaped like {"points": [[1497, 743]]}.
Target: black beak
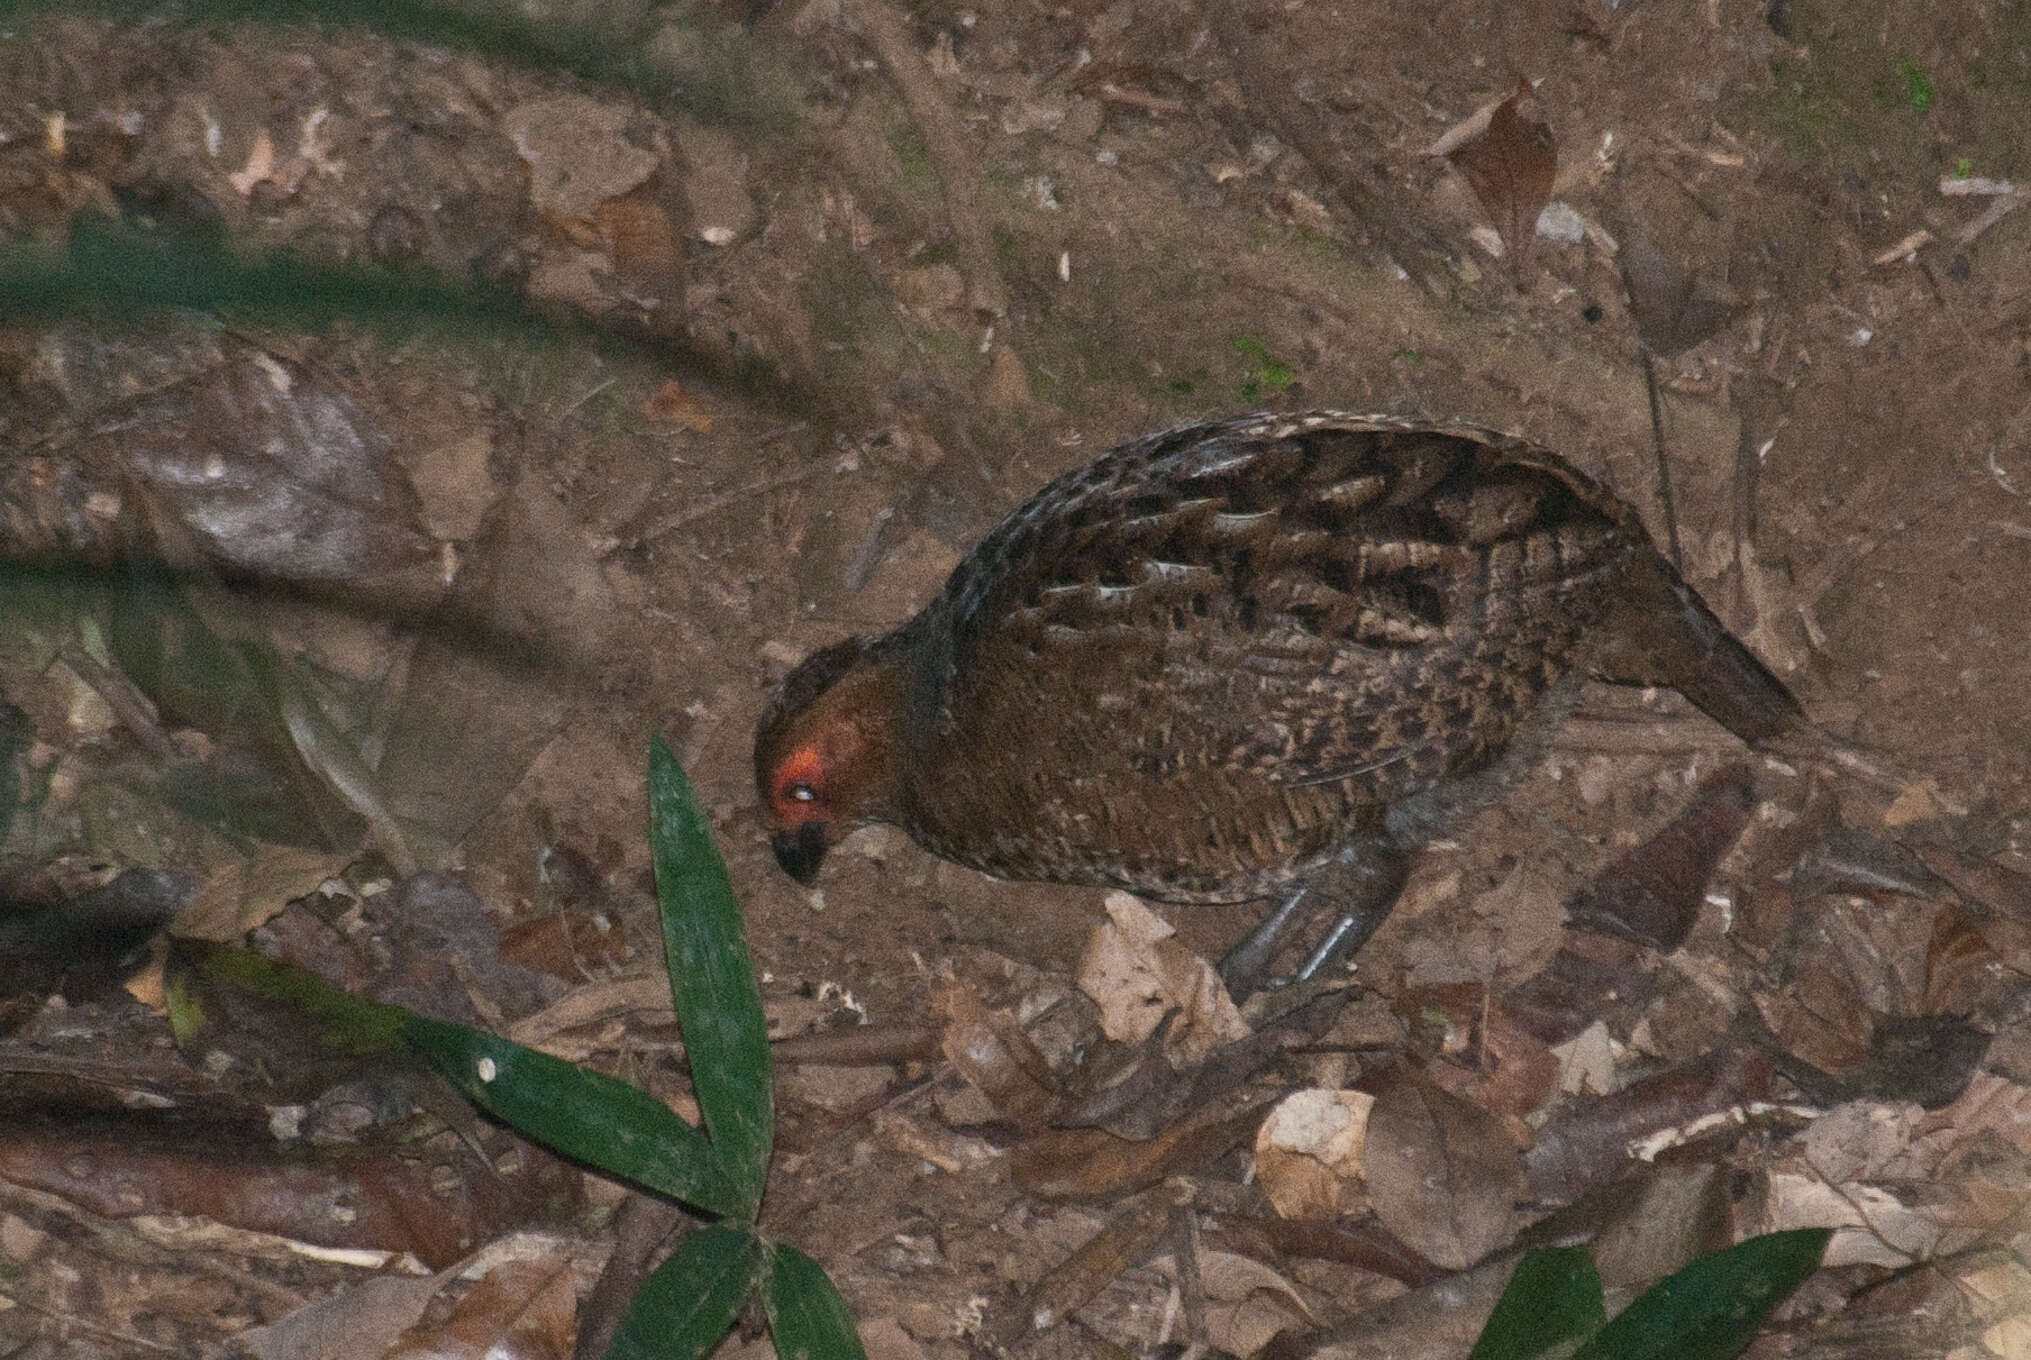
{"points": [[800, 851]]}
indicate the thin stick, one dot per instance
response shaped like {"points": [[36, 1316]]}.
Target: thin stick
{"points": [[883, 30], [1272, 95], [1665, 505]]}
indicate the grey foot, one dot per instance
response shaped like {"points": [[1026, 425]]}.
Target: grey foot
{"points": [[1360, 890]]}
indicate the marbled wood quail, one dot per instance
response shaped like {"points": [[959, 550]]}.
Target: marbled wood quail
{"points": [[1260, 657]]}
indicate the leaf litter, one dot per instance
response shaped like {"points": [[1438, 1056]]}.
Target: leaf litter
{"points": [[721, 590]]}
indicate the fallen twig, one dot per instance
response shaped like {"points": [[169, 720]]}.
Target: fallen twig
{"points": [[1999, 208], [883, 30], [1270, 93], [1666, 508]]}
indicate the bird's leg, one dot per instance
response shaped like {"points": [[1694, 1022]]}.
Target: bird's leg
{"points": [[1146, 1096], [1361, 887], [1364, 888], [1245, 967]]}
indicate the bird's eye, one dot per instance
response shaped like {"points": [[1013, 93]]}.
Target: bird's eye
{"points": [[800, 792]]}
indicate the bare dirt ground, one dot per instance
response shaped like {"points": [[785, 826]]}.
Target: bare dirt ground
{"points": [[875, 276]]}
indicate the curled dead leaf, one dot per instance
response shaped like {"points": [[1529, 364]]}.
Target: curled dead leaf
{"points": [[989, 1049]]}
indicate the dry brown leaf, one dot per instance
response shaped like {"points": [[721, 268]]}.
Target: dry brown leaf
{"points": [[1674, 308], [1005, 386], [578, 154], [359, 1323], [647, 253], [1672, 1215], [1091, 1163], [1598, 1139], [841, 1090], [1443, 1175], [571, 944], [989, 1049], [235, 1180], [2002, 890], [1918, 801], [1858, 1140], [885, 1339], [1594, 977], [1587, 1061], [1991, 1105], [236, 897], [1136, 972], [1940, 1181], [1076, 1280], [1799, 1019], [1872, 1224], [521, 1310], [1308, 1152], [1511, 167], [1247, 1303], [1525, 1070], [1961, 966], [1652, 892], [948, 1151]]}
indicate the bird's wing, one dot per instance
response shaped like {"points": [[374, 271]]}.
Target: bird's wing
{"points": [[1318, 598]]}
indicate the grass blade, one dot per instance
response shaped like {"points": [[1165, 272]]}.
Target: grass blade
{"points": [[807, 1318], [585, 1115], [690, 1301], [1714, 1307], [1553, 1298], [712, 980]]}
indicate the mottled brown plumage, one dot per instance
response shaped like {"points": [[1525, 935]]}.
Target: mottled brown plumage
{"points": [[1243, 658]]}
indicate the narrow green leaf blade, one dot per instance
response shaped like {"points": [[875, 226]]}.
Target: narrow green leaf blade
{"points": [[585, 1115], [807, 1318], [688, 1303], [712, 980], [340, 1022], [1712, 1308], [1553, 1298]]}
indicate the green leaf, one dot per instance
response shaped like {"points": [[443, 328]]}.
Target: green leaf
{"points": [[712, 981], [1553, 1298], [1712, 1308], [807, 1318], [342, 1023], [688, 1303], [594, 1118]]}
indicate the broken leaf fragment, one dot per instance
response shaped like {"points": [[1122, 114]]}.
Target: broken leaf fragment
{"points": [[671, 404], [1511, 166], [1675, 308], [1137, 973], [1308, 1153]]}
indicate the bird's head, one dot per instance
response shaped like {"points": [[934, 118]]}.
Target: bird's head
{"points": [[825, 756]]}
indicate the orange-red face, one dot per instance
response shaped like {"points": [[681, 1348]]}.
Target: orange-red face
{"points": [[809, 794], [795, 796], [822, 753], [795, 791]]}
